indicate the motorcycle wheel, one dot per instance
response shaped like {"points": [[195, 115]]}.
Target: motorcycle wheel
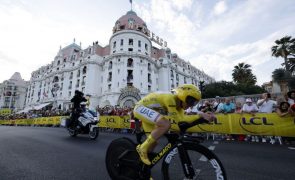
{"points": [[93, 134]]}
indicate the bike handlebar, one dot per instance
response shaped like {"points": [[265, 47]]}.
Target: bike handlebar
{"points": [[183, 126]]}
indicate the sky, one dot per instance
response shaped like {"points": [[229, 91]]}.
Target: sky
{"points": [[213, 35]]}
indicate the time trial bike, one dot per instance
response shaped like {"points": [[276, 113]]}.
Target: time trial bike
{"points": [[183, 157]]}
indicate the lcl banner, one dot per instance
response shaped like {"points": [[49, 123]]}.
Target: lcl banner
{"points": [[260, 124]]}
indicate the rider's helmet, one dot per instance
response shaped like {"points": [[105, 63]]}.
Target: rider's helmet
{"points": [[188, 94]]}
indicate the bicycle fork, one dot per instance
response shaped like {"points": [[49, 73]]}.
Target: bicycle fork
{"points": [[185, 162]]}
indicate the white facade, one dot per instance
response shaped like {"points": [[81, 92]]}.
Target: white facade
{"points": [[13, 92], [121, 73]]}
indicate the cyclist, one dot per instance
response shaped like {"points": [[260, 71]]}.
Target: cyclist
{"points": [[152, 108]]}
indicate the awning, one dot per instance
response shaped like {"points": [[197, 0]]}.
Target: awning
{"points": [[27, 109], [40, 106]]}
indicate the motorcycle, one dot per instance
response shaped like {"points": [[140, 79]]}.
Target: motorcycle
{"points": [[87, 124]]}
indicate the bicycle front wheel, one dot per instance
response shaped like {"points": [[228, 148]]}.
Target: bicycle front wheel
{"points": [[205, 164]]}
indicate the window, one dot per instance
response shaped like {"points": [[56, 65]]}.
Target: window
{"points": [[89, 51], [84, 70], [114, 44], [70, 86], [149, 88], [58, 62], [110, 65], [78, 73], [73, 64], [131, 42], [130, 49], [118, 71], [149, 67], [83, 89], [71, 76], [130, 62], [118, 84], [69, 93], [149, 78], [139, 43], [110, 77], [146, 46], [122, 42], [83, 80], [78, 83], [109, 87]]}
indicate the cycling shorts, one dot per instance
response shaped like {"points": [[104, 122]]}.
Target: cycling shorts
{"points": [[146, 114]]}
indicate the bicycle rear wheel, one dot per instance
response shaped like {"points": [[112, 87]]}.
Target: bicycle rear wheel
{"points": [[205, 164]]}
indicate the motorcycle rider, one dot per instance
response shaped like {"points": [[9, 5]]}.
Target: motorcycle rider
{"points": [[76, 110]]}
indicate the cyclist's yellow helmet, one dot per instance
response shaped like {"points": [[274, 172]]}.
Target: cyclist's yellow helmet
{"points": [[188, 94]]}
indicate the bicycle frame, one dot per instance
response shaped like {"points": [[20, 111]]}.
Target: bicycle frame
{"points": [[173, 147]]}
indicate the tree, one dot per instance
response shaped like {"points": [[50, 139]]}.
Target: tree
{"points": [[224, 89], [242, 74], [283, 48]]}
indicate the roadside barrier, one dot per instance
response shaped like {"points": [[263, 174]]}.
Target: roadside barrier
{"points": [[260, 124]]}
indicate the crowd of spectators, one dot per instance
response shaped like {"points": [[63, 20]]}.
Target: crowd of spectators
{"points": [[35, 114], [283, 106], [114, 111]]}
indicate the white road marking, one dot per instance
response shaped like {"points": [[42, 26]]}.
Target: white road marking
{"points": [[215, 142], [292, 148], [211, 148], [203, 158]]}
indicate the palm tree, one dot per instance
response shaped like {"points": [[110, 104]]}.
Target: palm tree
{"points": [[283, 48], [242, 74]]}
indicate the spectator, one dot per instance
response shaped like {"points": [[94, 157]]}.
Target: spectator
{"points": [[238, 107], [207, 107], [283, 109], [228, 107], [249, 107], [291, 97], [220, 105], [265, 104]]}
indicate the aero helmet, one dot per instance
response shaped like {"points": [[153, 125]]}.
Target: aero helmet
{"points": [[188, 93]]}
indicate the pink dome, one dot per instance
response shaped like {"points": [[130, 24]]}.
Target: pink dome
{"points": [[130, 16]]}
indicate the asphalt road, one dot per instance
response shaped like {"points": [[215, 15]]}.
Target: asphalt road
{"points": [[37, 153]]}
